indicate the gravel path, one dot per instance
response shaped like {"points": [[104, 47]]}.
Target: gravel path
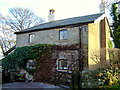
{"points": [[21, 85]]}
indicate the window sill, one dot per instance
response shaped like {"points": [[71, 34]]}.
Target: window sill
{"points": [[28, 44], [62, 41], [61, 69], [64, 71]]}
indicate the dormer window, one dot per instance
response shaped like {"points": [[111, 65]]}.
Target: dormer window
{"points": [[63, 35], [31, 38]]}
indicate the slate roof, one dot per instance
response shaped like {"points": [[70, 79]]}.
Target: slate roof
{"points": [[63, 22]]}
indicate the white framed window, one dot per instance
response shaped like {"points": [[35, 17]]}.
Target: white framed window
{"points": [[63, 34], [31, 64], [31, 38], [62, 64]]}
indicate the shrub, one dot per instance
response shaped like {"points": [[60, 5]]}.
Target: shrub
{"points": [[5, 76], [114, 55], [100, 77], [89, 79], [75, 80], [109, 76]]}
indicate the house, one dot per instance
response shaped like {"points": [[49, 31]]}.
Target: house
{"points": [[90, 33]]}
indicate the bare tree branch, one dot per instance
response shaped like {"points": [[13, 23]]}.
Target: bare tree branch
{"points": [[17, 20]]}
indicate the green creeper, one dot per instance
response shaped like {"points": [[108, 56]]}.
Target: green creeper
{"points": [[21, 55]]}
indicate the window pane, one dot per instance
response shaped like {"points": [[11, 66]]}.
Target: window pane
{"points": [[62, 64], [63, 34], [31, 38], [31, 64]]}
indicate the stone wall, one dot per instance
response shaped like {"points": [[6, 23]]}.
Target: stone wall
{"points": [[49, 37], [45, 73], [71, 56]]}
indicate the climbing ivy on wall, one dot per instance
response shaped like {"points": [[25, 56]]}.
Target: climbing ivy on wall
{"points": [[115, 26], [21, 55]]}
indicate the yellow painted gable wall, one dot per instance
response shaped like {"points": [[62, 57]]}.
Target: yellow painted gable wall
{"points": [[94, 43]]}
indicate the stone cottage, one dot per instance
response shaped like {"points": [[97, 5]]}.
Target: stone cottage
{"points": [[88, 33]]}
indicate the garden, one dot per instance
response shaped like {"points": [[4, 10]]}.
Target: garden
{"points": [[42, 69]]}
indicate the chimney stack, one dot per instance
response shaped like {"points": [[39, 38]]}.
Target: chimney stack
{"points": [[51, 15], [102, 6]]}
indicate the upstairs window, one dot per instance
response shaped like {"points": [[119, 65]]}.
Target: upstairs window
{"points": [[62, 64], [31, 38], [63, 35]]}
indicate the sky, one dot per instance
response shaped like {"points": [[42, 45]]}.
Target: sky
{"points": [[63, 8]]}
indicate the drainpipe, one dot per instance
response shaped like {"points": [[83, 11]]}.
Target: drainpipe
{"points": [[80, 49], [80, 56]]}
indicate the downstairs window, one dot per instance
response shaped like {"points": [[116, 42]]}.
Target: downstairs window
{"points": [[62, 64]]}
